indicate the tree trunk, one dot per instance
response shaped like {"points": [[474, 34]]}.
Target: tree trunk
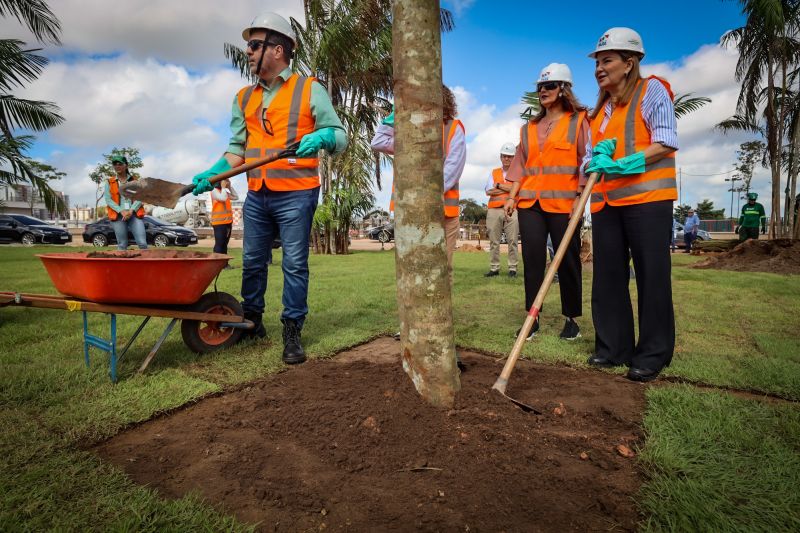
{"points": [[791, 186], [774, 149], [423, 281]]}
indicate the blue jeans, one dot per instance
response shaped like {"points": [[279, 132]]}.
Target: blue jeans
{"points": [[268, 214], [136, 227]]}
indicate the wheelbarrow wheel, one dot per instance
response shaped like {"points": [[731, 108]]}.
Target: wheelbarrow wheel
{"points": [[204, 337]]}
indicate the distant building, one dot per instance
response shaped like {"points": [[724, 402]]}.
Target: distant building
{"points": [[22, 199]]}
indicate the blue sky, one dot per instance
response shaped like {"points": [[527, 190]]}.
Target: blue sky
{"points": [[153, 76]]}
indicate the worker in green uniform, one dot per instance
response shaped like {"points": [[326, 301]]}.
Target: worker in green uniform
{"points": [[751, 218]]}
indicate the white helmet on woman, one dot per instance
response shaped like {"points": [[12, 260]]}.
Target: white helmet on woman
{"points": [[619, 39], [555, 72], [508, 149], [272, 22]]}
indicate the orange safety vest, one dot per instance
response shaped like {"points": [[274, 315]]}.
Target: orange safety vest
{"points": [[657, 182], [451, 197], [221, 212], [551, 170], [288, 118], [499, 200], [113, 189]]}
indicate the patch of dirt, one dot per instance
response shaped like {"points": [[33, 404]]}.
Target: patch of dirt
{"points": [[780, 256], [151, 254], [470, 248], [348, 445]]}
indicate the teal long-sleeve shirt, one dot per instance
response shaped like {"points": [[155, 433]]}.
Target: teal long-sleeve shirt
{"points": [[321, 109], [124, 204]]}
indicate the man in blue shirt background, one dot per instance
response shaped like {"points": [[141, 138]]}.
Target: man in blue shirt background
{"points": [[690, 227]]}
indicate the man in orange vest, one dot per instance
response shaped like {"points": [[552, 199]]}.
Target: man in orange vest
{"points": [[222, 215], [268, 117], [497, 222]]}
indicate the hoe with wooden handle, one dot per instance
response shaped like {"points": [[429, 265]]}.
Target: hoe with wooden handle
{"points": [[502, 381], [167, 193]]}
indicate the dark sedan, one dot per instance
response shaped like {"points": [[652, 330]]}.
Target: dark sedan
{"points": [[29, 231], [159, 233], [382, 233]]}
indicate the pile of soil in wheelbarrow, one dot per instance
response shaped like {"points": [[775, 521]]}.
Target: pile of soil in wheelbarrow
{"points": [[780, 256], [347, 444], [150, 254]]}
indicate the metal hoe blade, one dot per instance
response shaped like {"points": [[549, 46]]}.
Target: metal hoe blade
{"points": [[155, 191]]}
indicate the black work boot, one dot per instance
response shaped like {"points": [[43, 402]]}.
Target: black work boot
{"points": [[258, 332], [293, 353]]}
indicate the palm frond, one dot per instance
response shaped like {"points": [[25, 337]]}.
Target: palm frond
{"points": [[30, 114], [36, 16], [739, 123], [686, 103], [18, 65], [238, 59]]}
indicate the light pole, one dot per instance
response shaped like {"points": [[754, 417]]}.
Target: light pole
{"points": [[733, 179]]}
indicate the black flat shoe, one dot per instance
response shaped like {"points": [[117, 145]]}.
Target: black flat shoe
{"points": [[602, 362], [642, 374]]}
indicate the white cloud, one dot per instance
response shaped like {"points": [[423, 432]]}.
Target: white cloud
{"points": [[175, 31], [459, 6]]}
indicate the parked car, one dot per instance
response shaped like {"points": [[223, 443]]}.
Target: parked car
{"points": [[382, 233], [29, 230], [159, 233], [702, 235]]}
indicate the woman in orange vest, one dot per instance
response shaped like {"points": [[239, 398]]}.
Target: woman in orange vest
{"points": [[635, 135], [222, 215], [125, 215], [547, 179]]}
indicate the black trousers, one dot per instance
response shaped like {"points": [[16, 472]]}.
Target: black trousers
{"points": [[534, 226], [643, 232], [222, 234]]}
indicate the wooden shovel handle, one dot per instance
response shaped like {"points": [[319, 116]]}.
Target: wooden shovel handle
{"points": [[289, 152], [574, 220]]}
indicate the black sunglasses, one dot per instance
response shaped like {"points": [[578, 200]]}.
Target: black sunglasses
{"points": [[256, 44], [548, 86]]}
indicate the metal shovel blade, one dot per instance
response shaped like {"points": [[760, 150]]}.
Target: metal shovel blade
{"points": [[500, 387], [155, 191]]}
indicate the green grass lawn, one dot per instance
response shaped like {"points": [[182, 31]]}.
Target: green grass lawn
{"points": [[713, 461]]}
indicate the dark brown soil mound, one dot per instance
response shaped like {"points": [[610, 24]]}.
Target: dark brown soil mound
{"points": [[348, 445], [151, 254], [780, 256]]}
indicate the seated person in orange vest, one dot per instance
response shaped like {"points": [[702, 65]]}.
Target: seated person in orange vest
{"points": [[635, 138], [268, 117], [497, 221], [454, 142], [548, 177], [125, 215], [222, 215]]}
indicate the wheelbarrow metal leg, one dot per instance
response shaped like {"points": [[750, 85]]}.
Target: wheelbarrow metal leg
{"points": [[157, 346], [130, 341], [109, 346]]}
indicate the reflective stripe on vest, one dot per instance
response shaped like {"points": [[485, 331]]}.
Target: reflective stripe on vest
{"points": [[270, 131], [498, 200], [551, 171], [451, 197], [113, 190], [626, 123], [221, 212]]}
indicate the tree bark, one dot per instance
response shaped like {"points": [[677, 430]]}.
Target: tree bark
{"points": [[423, 281]]}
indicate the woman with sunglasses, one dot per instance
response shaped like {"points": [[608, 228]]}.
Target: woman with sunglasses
{"points": [[125, 215], [546, 171], [635, 130]]}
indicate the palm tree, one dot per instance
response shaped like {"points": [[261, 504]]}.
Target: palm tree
{"points": [[19, 66], [768, 50]]}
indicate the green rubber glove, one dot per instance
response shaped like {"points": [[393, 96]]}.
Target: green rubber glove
{"points": [[389, 120], [202, 186], [632, 164], [606, 147], [315, 141]]}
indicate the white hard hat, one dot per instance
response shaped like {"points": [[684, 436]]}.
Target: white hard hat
{"points": [[555, 72], [619, 39], [273, 22], [508, 149]]}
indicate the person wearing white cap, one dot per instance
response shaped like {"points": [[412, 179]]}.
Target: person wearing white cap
{"points": [[282, 110], [547, 176], [635, 131], [497, 221]]}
